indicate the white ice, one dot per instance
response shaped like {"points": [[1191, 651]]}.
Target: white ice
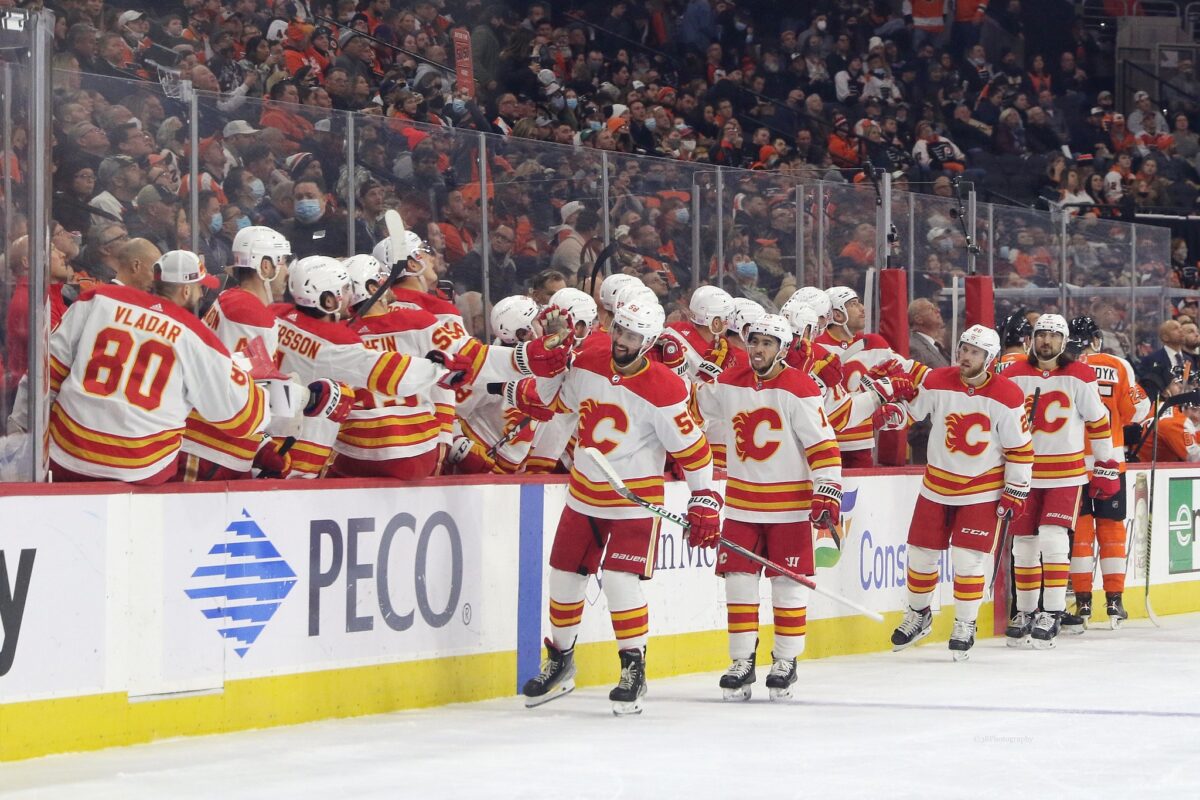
{"points": [[1107, 714]]}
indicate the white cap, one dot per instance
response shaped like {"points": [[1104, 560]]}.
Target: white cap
{"points": [[238, 127], [183, 266], [277, 30], [570, 209], [129, 16]]}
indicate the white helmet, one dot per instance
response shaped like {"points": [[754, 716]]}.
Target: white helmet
{"points": [[776, 326], [253, 244], [1055, 323], [412, 243], [578, 304], [611, 286], [985, 339], [804, 321], [839, 296], [814, 298], [641, 314], [512, 315], [710, 303], [745, 311], [637, 289], [318, 279], [363, 269]]}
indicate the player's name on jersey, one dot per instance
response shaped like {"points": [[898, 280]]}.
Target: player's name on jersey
{"points": [[297, 342], [149, 322], [385, 344]]}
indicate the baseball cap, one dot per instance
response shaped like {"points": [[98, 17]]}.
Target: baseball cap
{"points": [[1096, 110], [129, 16], [153, 193], [238, 127], [184, 266], [570, 209], [346, 35], [112, 165], [1140, 96]]}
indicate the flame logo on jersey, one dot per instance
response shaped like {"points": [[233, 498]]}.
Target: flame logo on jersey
{"points": [[592, 418], [959, 430], [745, 433], [1053, 402], [513, 418]]}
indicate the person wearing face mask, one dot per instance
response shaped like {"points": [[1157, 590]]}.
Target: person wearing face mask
{"points": [[316, 229], [153, 217], [214, 249], [641, 129], [819, 28]]}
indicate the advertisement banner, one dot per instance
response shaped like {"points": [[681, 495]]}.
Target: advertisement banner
{"points": [[464, 64], [1183, 506]]}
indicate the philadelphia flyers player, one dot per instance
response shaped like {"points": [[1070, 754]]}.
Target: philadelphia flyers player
{"points": [[1016, 333], [635, 411], [1127, 404], [784, 473], [1066, 412], [978, 471]]}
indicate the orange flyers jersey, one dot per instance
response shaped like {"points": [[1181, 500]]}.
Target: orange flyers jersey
{"points": [[859, 356], [1125, 400], [1068, 412], [781, 443], [127, 367], [236, 318], [1006, 360], [1176, 439], [636, 421], [979, 440]]}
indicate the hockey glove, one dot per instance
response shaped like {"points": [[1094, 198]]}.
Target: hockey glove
{"points": [[542, 358], [829, 370], [1012, 502], [458, 368], [708, 372], [801, 356], [890, 390], [272, 460], [523, 396], [1106, 480], [554, 320], [704, 518], [670, 351], [826, 510], [328, 399], [889, 417]]}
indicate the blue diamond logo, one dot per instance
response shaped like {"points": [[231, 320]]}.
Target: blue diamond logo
{"points": [[243, 584]]}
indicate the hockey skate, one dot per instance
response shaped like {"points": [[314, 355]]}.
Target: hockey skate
{"points": [[735, 683], [1019, 629], [556, 679], [1045, 628], [1077, 623], [781, 678], [627, 696], [915, 626], [1116, 610], [962, 639]]}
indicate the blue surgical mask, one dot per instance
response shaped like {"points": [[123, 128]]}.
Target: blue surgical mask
{"points": [[257, 190], [215, 222], [458, 106], [747, 269], [595, 124], [243, 222], [683, 216], [651, 124], [572, 102], [308, 210]]}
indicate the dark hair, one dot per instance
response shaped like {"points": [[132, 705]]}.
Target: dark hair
{"points": [[278, 89], [320, 184]]}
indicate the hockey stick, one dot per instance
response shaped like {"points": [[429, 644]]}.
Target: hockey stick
{"points": [[509, 435], [395, 227], [1003, 538], [619, 486]]}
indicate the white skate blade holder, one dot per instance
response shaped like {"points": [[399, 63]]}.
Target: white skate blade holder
{"points": [[961, 655], [896, 648], [564, 688], [781, 694], [740, 694], [627, 709]]}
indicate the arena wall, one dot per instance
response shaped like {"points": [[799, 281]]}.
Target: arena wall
{"points": [[128, 615]]}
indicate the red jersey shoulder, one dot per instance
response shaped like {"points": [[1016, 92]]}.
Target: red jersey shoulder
{"points": [[332, 332], [597, 339], [159, 305], [1002, 390], [1080, 370], [238, 305], [398, 320], [1022, 369], [796, 382], [944, 378], [738, 375], [434, 305], [873, 341], [655, 384]]}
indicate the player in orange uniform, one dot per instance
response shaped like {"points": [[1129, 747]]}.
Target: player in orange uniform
{"points": [[783, 471], [978, 472], [1015, 333], [1066, 410], [1127, 404]]}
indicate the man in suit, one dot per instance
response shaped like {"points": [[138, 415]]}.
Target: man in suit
{"points": [[1156, 370], [926, 335]]}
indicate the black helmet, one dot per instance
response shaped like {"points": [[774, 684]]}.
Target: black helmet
{"points": [[1084, 329], [1015, 329]]}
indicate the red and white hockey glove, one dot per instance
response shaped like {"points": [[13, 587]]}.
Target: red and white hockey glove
{"points": [[890, 390], [826, 510], [670, 352], [542, 358], [889, 417], [553, 319], [802, 356], [704, 518], [1106, 480], [709, 372], [271, 460], [1012, 502], [829, 370], [459, 368], [523, 396], [329, 399]]}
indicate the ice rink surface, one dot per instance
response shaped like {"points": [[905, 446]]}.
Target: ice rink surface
{"points": [[1106, 714]]}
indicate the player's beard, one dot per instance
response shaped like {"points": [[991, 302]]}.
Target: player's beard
{"points": [[969, 376], [1045, 352], [623, 357]]}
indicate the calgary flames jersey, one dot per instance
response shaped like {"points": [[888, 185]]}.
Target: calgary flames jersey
{"points": [[698, 350], [1125, 400], [979, 440], [487, 418], [779, 430], [1068, 411], [859, 356], [127, 367], [636, 421], [313, 349], [444, 310]]}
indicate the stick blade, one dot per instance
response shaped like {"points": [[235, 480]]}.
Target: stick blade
{"points": [[396, 230]]}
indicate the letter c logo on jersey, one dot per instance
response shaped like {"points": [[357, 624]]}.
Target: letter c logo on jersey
{"points": [[1049, 403], [592, 427], [960, 427], [745, 433]]}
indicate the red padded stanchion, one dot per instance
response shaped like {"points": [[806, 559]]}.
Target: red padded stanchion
{"points": [[892, 449], [981, 301]]}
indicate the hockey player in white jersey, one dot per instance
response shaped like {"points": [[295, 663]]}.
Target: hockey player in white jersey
{"points": [[1065, 408], [745, 311], [635, 412], [610, 288], [978, 472], [783, 472]]}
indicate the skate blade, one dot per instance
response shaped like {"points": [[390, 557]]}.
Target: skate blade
{"points": [[1074, 630], [564, 688], [781, 694], [627, 709], [1043, 644], [1018, 641], [1114, 623], [736, 695], [896, 648], [961, 655]]}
